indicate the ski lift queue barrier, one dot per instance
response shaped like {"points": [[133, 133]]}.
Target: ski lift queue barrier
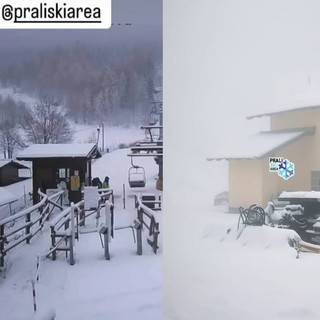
{"points": [[9, 239], [71, 220], [104, 194], [146, 218]]}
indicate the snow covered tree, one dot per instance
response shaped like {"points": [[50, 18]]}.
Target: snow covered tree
{"points": [[10, 138], [46, 123]]}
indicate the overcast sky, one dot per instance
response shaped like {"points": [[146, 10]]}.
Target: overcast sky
{"points": [[225, 60], [145, 16]]}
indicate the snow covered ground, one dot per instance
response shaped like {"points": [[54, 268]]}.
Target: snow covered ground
{"points": [[126, 287], [209, 274]]}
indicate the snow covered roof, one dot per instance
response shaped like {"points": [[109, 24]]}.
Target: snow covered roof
{"points": [[260, 145], [300, 195], [74, 150], [286, 109], [6, 197]]}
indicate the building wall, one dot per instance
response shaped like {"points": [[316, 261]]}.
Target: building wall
{"points": [[296, 119], [8, 175], [300, 153], [251, 182], [306, 150], [244, 183], [269, 185], [45, 174]]}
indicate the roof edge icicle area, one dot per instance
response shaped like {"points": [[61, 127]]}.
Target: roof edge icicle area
{"points": [[263, 144], [283, 111]]}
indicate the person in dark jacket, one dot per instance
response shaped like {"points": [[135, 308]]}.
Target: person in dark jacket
{"points": [[96, 182]]}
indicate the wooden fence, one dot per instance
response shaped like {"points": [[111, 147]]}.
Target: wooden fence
{"points": [[146, 218], [26, 224], [65, 227]]}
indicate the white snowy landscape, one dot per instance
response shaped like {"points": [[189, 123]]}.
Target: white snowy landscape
{"points": [[210, 274], [229, 60], [127, 286]]}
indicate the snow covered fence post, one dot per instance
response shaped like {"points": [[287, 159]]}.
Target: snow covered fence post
{"points": [[28, 227], [72, 235], [72, 222], [108, 218], [139, 231], [107, 233]]}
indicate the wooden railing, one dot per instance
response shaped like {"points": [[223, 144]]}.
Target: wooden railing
{"points": [[146, 219], [65, 227], [25, 224]]}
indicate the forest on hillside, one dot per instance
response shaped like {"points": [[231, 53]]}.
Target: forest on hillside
{"points": [[109, 83]]}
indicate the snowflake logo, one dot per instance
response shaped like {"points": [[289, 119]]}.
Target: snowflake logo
{"points": [[286, 169]]}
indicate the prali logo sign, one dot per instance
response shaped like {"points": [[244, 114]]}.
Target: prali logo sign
{"points": [[284, 168]]}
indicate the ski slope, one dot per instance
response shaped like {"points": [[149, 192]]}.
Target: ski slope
{"points": [[126, 287]]}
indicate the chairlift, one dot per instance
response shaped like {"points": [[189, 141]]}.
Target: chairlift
{"points": [[136, 176], [152, 134]]}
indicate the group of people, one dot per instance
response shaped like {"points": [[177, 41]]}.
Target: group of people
{"points": [[96, 182]]}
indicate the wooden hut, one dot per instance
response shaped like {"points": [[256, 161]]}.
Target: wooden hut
{"points": [[53, 163], [9, 172]]}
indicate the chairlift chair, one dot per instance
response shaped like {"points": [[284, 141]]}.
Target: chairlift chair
{"points": [[136, 176]]}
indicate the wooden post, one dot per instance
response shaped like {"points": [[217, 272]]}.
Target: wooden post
{"points": [[139, 232], [28, 219], [41, 210], [82, 216], [106, 245], [108, 218], [72, 223], [112, 220], [155, 238], [77, 222], [71, 249], [107, 234], [53, 243], [2, 245]]}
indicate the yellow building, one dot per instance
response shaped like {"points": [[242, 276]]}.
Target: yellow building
{"points": [[294, 135]]}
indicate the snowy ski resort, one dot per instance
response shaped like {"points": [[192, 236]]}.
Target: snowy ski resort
{"points": [[100, 258]]}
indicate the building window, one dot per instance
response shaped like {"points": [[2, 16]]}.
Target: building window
{"points": [[315, 180], [64, 173]]}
